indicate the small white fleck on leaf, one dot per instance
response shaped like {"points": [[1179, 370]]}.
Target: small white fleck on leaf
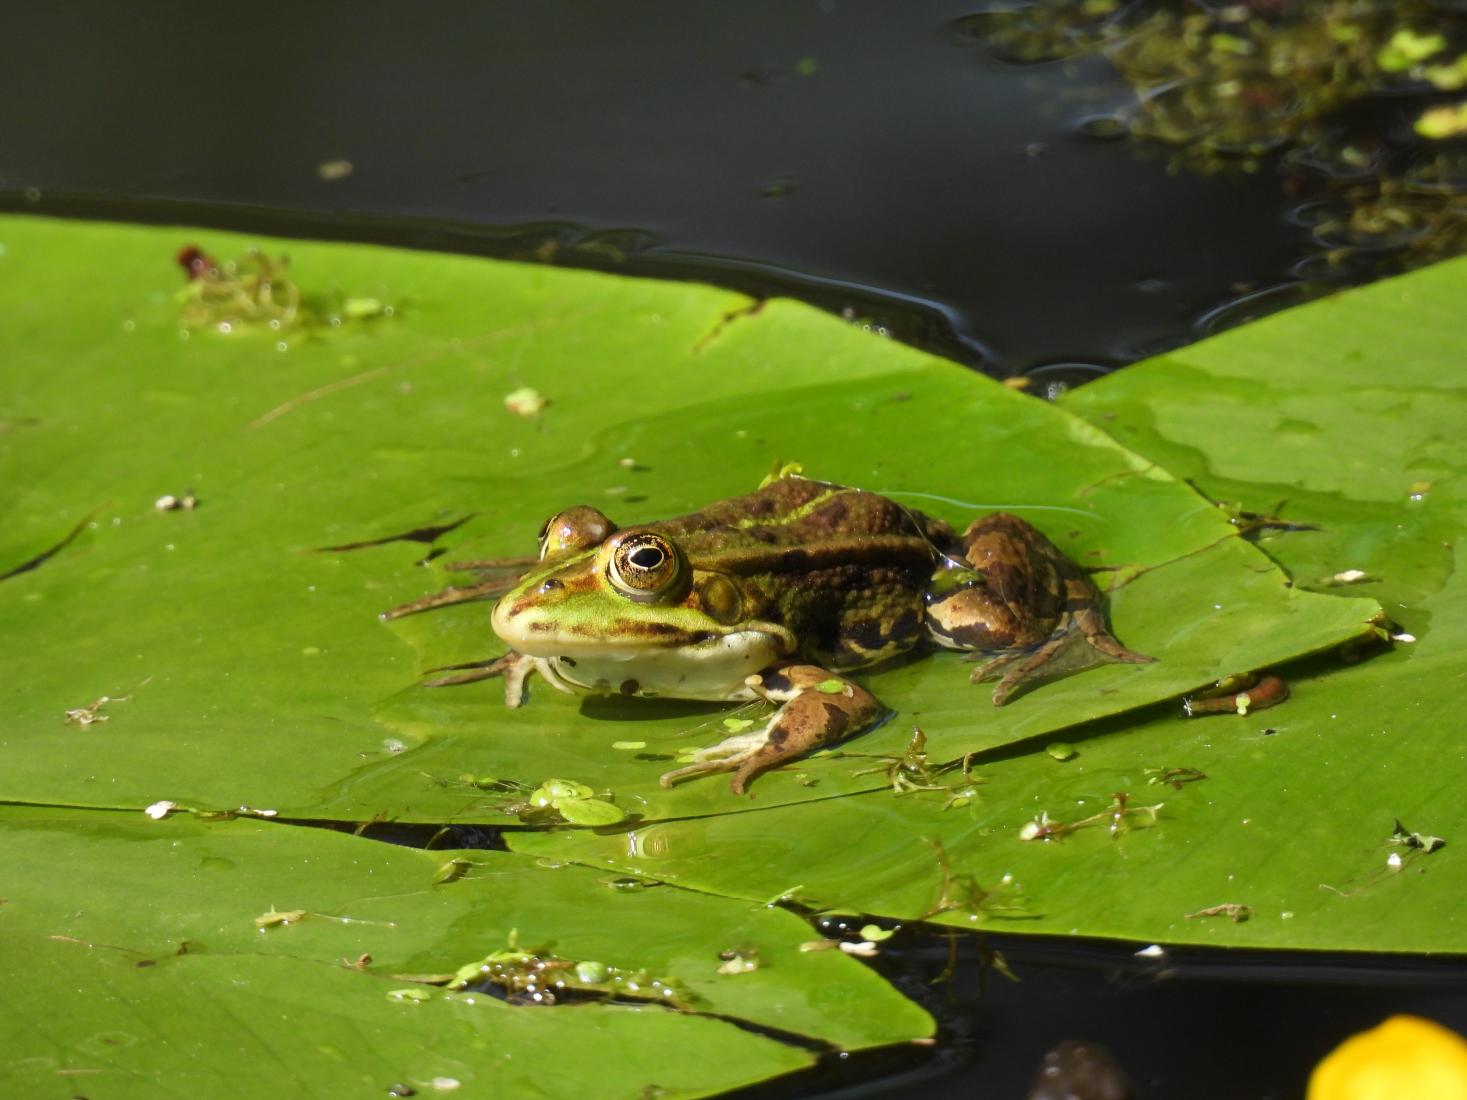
{"points": [[525, 402], [159, 810]]}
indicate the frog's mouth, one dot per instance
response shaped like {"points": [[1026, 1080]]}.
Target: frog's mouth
{"points": [[659, 658], [718, 670], [638, 640]]}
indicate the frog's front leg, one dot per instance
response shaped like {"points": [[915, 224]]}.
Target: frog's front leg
{"points": [[515, 667], [819, 709]]}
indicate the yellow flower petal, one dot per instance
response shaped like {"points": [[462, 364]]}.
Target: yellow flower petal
{"points": [[1404, 1058]]}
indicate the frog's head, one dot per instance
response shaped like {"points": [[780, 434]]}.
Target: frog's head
{"points": [[603, 594]]}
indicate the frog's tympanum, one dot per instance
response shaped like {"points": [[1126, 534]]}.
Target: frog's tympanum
{"points": [[777, 595]]}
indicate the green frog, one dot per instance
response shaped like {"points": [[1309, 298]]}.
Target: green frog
{"points": [[777, 595]]}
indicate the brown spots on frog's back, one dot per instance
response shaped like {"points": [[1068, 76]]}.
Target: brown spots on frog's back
{"points": [[629, 687], [878, 633], [831, 515], [1011, 583]]}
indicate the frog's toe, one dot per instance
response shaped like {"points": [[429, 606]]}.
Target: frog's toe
{"points": [[727, 755], [1029, 669], [991, 665], [1089, 622], [514, 667], [1109, 645]]}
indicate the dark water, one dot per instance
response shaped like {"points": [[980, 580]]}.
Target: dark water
{"points": [[1194, 1024], [862, 155], [866, 156]]}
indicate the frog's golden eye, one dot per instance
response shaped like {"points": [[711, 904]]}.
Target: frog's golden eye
{"points": [[644, 566], [578, 528]]}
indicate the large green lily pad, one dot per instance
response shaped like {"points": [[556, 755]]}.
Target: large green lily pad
{"points": [[160, 923], [247, 657], [1344, 415]]}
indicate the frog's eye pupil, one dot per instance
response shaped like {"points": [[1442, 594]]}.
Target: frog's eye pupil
{"points": [[646, 557]]}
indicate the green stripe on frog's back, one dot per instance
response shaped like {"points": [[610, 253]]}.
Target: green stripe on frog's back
{"points": [[810, 514]]}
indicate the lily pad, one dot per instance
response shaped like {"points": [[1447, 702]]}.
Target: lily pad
{"points": [[1341, 420], [160, 921], [335, 469]]}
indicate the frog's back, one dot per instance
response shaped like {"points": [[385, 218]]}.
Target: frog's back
{"points": [[844, 569], [796, 511]]}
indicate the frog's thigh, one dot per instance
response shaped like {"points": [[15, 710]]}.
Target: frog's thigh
{"points": [[972, 619]]}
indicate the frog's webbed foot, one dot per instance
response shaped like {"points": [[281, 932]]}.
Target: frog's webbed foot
{"points": [[1016, 668], [514, 667], [819, 708], [1080, 641], [510, 570]]}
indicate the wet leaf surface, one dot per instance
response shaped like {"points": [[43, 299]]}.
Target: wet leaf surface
{"points": [[161, 922], [200, 530], [253, 665], [1345, 415]]}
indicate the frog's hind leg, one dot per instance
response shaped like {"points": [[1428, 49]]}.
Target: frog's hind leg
{"points": [[1012, 599]]}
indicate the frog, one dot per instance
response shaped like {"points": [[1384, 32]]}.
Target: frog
{"points": [[779, 595]]}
